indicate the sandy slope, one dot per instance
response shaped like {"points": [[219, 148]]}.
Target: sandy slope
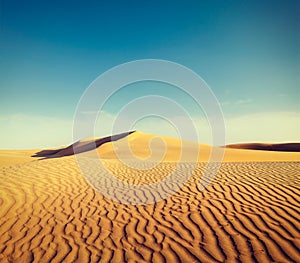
{"points": [[12, 157], [250, 212], [140, 144]]}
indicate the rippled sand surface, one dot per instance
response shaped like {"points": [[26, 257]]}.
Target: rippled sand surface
{"points": [[250, 212], [50, 213]]}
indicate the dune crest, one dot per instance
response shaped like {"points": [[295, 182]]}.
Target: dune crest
{"points": [[84, 145]]}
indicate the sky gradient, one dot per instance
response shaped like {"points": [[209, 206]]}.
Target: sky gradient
{"points": [[247, 52]]}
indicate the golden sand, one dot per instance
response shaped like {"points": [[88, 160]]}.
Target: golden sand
{"points": [[249, 213]]}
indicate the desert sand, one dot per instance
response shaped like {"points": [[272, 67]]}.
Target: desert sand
{"points": [[281, 147], [249, 212]]}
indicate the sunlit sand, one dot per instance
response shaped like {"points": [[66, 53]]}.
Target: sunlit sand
{"points": [[249, 212]]}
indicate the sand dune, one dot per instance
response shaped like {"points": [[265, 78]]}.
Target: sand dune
{"points": [[142, 145], [150, 147], [281, 147], [249, 213], [83, 145]]}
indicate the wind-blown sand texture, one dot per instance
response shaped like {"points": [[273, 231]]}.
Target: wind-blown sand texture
{"points": [[249, 213]]}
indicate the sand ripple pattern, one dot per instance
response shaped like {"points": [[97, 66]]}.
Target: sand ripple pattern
{"points": [[249, 213]]}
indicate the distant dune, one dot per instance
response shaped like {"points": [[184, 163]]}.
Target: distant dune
{"points": [[281, 147], [151, 147], [49, 213]]}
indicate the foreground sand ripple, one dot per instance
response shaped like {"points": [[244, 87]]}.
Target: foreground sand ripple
{"points": [[249, 213]]}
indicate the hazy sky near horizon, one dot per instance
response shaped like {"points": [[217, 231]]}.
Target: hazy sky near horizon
{"points": [[247, 52]]}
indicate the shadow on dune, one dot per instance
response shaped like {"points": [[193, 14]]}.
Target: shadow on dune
{"points": [[80, 146], [280, 147]]}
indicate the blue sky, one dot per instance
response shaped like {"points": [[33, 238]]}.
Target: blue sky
{"points": [[247, 51]]}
